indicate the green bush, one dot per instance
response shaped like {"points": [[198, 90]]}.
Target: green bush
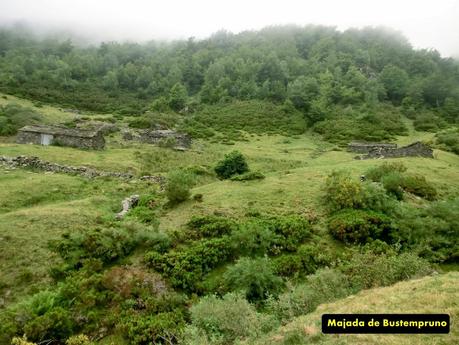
{"points": [[14, 116], [342, 191], [210, 226], [233, 163], [178, 186], [360, 226], [324, 286], [186, 268], [377, 173], [418, 185], [248, 176], [366, 269], [432, 231], [161, 328], [228, 319], [254, 277], [448, 140], [393, 183]]}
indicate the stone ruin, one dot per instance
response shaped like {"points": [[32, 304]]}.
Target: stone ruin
{"points": [[54, 135], [179, 141], [374, 150], [366, 147]]}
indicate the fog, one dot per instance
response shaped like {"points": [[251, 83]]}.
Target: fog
{"points": [[426, 23]]}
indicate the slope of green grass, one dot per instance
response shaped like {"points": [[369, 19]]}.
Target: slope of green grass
{"points": [[435, 294]]}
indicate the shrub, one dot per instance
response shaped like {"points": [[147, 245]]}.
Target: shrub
{"points": [[186, 268], [233, 163], [341, 191], [210, 226], [248, 176], [393, 183], [14, 116], [228, 319], [178, 186], [107, 245], [433, 231], [162, 328], [366, 269], [448, 140], [417, 185], [324, 286], [254, 277], [375, 198], [377, 173], [360, 226]]}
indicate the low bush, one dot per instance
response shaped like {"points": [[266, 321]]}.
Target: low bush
{"points": [[448, 140], [210, 226], [366, 269], [178, 186], [254, 277], [324, 286], [14, 116], [360, 226], [393, 183], [377, 173], [418, 185], [342, 191], [186, 268], [228, 319], [432, 231], [233, 163], [248, 176], [161, 328]]}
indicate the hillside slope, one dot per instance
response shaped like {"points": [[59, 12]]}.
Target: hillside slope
{"points": [[435, 294]]}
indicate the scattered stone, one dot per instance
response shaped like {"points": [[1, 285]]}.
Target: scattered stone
{"points": [[127, 204], [367, 147]]}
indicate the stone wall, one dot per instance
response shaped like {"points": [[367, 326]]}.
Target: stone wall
{"points": [[155, 137], [364, 147], [38, 164], [416, 149]]}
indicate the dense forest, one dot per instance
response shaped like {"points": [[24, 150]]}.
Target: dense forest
{"points": [[317, 69]]}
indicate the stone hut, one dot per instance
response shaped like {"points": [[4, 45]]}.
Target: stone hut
{"points": [[416, 149], [48, 135], [367, 147], [180, 140]]}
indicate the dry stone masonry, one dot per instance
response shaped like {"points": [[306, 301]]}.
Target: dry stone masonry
{"points": [[127, 204], [38, 164], [54, 135], [181, 141], [416, 149]]}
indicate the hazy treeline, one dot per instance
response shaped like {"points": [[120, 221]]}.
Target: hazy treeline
{"points": [[315, 68]]}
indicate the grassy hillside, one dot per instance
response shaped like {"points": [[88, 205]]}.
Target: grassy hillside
{"points": [[36, 207], [436, 294]]}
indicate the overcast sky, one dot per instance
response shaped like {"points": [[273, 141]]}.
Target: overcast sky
{"points": [[426, 23]]}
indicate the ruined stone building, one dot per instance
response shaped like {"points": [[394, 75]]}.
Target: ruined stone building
{"points": [[180, 140], [366, 147], [383, 150], [53, 135]]}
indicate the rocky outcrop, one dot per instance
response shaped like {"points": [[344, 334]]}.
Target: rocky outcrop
{"points": [[416, 149], [127, 204]]}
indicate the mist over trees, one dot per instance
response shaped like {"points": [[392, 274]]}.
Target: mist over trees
{"points": [[319, 70]]}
